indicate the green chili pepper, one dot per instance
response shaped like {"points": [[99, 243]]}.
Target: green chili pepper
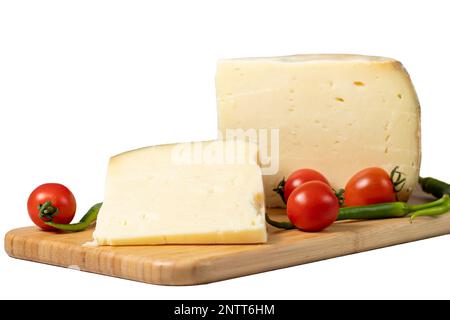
{"points": [[434, 186], [84, 223], [390, 210], [280, 224], [435, 203], [382, 211], [375, 211], [433, 211]]}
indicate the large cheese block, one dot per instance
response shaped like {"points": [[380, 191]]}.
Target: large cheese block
{"points": [[337, 114], [196, 193]]}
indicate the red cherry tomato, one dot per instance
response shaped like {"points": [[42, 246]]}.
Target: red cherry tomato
{"points": [[51, 202], [313, 206], [299, 177], [369, 186]]}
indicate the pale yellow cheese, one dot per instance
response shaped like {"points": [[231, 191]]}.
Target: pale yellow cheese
{"points": [[194, 193], [337, 114]]}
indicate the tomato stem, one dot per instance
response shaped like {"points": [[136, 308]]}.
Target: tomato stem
{"points": [[280, 189], [397, 179], [340, 195], [47, 211]]}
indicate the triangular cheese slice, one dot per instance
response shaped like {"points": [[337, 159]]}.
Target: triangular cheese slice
{"points": [[193, 193]]}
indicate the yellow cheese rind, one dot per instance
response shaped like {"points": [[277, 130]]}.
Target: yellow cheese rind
{"points": [[245, 236], [153, 197], [337, 114]]}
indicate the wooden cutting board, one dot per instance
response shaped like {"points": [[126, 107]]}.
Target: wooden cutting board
{"points": [[197, 264]]}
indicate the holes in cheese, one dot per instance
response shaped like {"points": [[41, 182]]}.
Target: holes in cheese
{"points": [[366, 104]]}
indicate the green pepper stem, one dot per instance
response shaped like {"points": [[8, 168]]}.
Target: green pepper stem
{"points": [[433, 211], [85, 221], [279, 224], [438, 202]]}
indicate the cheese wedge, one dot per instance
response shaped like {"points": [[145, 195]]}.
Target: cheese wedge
{"points": [[193, 193], [337, 114]]}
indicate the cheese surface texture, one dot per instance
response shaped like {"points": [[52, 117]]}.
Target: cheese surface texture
{"points": [[183, 193], [336, 114]]}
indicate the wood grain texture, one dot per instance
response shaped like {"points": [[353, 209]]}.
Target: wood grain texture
{"points": [[197, 264]]}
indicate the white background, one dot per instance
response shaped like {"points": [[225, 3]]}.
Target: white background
{"points": [[83, 80]]}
